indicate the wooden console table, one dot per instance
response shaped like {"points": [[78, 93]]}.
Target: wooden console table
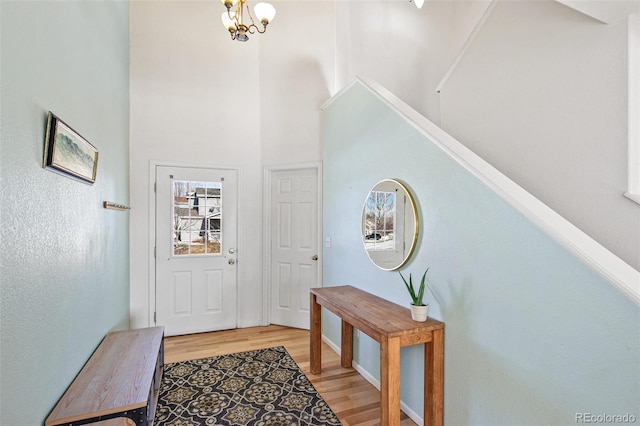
{"points": [[391, 326], [121, 379]]}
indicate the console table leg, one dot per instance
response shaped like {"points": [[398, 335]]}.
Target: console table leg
{"points": [[390, 382], [316, 337], [434, 379], [346, 350]]}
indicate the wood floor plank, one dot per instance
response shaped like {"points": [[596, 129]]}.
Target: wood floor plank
{"points": [[355, 401]]}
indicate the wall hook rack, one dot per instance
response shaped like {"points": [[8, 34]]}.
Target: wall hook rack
{"points": [[115, 206]]}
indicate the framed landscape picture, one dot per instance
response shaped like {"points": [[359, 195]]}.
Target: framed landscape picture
{"points": [[66, 152]]}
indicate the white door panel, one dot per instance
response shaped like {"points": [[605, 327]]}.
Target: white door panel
{"points": [[196, 214], [294, 245]]}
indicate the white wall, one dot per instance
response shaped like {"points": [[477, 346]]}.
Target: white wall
{"points": [[542, 95], [405, 49], [296, 77], [199, 98]]}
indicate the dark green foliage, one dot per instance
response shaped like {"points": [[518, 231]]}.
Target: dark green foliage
{"points": [[416, 298]]}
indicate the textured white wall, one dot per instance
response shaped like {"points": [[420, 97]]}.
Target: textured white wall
{"points": [[542, 95], [64, 272]]}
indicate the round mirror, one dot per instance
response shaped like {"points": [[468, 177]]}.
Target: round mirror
{"points": [[389, 224]]}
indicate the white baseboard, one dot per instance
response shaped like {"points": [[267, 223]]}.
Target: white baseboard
{"points": [[375, 382]]}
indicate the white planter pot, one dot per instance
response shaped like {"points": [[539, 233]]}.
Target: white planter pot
{"points": [[419, 313]]}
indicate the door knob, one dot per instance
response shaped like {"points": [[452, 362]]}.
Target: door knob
{"points": [[232, 261], [314, 257]]}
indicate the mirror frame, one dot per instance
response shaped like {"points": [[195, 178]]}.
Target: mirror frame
{"points": [[416, 221]]}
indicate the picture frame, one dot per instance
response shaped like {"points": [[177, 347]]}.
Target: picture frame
{"points": [[67, 152]]}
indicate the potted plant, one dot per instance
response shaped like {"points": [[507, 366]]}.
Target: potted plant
{"points": [[419, 309]]}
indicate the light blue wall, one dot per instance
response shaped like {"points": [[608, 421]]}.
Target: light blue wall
{"points": [[532, 336], [64, 259]]}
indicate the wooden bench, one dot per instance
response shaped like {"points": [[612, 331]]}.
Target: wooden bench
{"points": [[120, 380]]}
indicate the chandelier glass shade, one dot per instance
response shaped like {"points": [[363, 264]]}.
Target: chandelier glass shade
{"points": [[238, 20]]}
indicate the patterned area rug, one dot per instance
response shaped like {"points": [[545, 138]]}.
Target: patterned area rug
{"points": [[264, 387]]}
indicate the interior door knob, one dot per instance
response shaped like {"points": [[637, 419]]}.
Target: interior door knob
{"points": [[232, 261], [314, 257]]}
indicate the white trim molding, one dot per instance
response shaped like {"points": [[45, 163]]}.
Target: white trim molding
{"points": [[633, 189], [613, 269]]}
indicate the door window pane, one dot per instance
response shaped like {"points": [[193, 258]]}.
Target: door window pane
{"points": [[197, 218]]}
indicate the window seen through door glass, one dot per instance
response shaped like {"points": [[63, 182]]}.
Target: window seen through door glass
{"points": [[197, 218]]}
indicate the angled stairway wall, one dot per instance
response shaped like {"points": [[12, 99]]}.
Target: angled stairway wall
{"points": [[542, 322], [543, 92]]}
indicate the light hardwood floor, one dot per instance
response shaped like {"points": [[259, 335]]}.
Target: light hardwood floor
{"points": [[354, 400]]}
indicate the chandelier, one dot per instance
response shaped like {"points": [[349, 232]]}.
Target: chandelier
{"points": [[234, 20]]}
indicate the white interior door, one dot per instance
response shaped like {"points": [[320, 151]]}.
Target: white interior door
{"points": [[196, 234], [294, 245]]}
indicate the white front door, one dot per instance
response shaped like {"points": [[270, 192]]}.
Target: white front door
{"points": [[294, 245], [196, 232]]}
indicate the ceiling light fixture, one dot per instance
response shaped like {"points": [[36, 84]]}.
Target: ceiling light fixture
{"points": [[234, 19]]}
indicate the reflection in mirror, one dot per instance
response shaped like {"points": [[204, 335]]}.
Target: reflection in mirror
{"points": [[389, 224]]}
